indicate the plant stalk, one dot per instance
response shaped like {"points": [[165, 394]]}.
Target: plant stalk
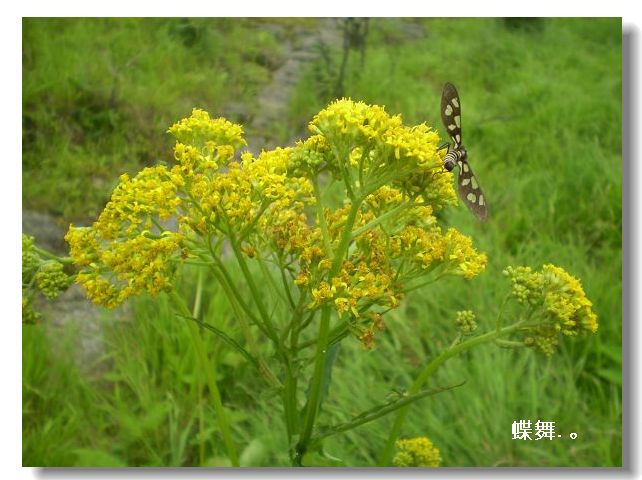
{"points": [[386, 456]]}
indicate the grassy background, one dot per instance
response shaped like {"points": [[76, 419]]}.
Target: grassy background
{"points": [[541, 103]]}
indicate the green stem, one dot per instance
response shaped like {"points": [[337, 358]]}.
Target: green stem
{"points": [[272, 283], [290, 403], [290, 406], [286, 287], [209, 372], [498, 321], [321, 217], [294, 323], [380, 219], [252, 224], [315, 386], [52, 256], [271, 331], [322, 345], [346, 174], [231, 294], [335, 335], [225, 279], [509, 343], [427, 282], [386, 456], [196, 310]]}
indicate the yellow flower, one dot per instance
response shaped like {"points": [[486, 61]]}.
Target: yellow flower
{"points": [[29, 315], [370, 146], [416, 452], [201, 131], [566, 301], [465, 322], [462, 256], [113, 269], [51, 279], [136, 201], [321, 293], [265, 204], [559, 298]]}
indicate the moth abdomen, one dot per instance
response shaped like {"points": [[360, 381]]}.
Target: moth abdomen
{"points": [[454, 157]]}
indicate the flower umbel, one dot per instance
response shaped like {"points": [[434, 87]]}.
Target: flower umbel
{"points": [[39, 275], [556, 299], [416, 452], [465, 322], [264, 206]]}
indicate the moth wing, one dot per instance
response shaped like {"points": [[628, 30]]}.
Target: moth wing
{"points": [[470, 192], [451, 113]]}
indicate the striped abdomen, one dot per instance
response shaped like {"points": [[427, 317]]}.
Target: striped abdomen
{"points": [[453, 157]]}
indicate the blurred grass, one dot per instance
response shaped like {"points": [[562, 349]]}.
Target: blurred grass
{"points": [[541, 113]]}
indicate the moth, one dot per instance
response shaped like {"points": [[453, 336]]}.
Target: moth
{"points": [[467, 185]]}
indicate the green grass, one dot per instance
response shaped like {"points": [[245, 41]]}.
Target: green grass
{"points": [[99, 93], [542, 123]]}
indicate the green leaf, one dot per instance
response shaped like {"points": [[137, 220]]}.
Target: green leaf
{"points": [[320, 458], [326, 378], [333, 352], [223, 336], [379, 411]]}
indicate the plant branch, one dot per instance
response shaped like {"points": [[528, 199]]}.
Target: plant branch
{"points": [[386, 456]]}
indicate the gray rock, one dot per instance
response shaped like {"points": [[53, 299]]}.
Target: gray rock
{"points": [[48, 230]]}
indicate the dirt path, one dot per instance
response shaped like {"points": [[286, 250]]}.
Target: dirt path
{"points": [[273, 100]]}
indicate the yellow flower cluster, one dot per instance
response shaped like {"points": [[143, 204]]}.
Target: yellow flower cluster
{"points": [[370, 147], [137, 202], [566, 301], [251, 193], [205, 143], [115, 270], [39, 274], [382, 259], [201, 131], [416, 452], [30, 259], [527, 285], [559, 298], [51, 279], [465, 322], [264, 206], [310, 155], [358, 120], [130, 248], [427, 248], [127, 250], [29, 314]]}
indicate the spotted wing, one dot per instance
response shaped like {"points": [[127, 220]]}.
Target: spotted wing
{"points": [[470, 192], [451, 113]]}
